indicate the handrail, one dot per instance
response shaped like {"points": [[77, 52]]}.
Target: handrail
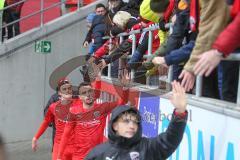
{"points": [[41, 11], [33, 14], [231, 57], [12, 5]]}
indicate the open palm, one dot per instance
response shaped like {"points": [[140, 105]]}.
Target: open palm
{"points": [[125, 78], [178, 98]]}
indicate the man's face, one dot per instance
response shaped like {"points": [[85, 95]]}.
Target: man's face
{"points": [[86, 94], [100, 11], [126, 125], [65, 91]]}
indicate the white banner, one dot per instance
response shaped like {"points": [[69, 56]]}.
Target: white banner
{"points": [[208, 135]]}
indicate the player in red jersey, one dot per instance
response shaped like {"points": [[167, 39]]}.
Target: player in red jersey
{"points": [[90, 120], [65, 92]]}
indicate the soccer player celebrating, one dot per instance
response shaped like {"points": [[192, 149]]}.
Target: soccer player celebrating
{"points": [[90, 120]]}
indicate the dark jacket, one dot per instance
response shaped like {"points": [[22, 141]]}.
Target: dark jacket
{"points": [[180, 30], [99, 29], [138, 147], [16, 8], [180, 55], [54, 98]]}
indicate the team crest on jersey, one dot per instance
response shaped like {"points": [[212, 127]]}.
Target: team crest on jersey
{"points": [[134, 155], [96, 114]]}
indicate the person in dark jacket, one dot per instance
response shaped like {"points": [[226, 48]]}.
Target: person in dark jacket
{"points": [[181, 29], [125, 134], [98, 29], [12, 14], [131, 7]]}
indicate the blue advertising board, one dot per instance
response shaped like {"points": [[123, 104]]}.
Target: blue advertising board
{"points": [[149, 109]]}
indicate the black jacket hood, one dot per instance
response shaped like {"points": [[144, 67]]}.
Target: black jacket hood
{"points": [[119, 140]]}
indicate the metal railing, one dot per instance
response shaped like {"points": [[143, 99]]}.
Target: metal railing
{"points": [[43, 9], [198, 93]]}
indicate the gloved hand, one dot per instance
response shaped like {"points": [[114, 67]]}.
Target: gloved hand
{"points": [[161, 24]]}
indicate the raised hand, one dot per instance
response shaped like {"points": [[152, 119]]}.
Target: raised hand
{"points": [[125, 78], [188, 80], [178, 98], [207, 62]]}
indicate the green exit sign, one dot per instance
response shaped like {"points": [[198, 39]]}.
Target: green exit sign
{"points": [[43, 47]]}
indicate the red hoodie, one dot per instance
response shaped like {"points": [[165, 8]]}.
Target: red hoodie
{"points": [[229, 39]]}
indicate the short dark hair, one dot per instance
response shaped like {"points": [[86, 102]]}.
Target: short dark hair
{"points": [[115, 30], [99, 5], [129, 112], [84, 84]]}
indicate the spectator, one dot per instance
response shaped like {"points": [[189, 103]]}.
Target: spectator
{"points": [[12, 14], [100, 9], [100, 27], [89, 24], [214, 17], [131, 7], [123, 21], [125, 133], [2, 18], [225, 44], [180, 31]]}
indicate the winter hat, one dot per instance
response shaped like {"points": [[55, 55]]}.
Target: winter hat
{"points": [[121, 19], [146, 13], [159, 6], [90, 17]]}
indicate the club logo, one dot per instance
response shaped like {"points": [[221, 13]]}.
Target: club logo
{"points": [[134, 155], [96, 114]]}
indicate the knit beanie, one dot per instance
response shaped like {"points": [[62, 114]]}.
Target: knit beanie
{"points": [[121, 19], [159, 6]]}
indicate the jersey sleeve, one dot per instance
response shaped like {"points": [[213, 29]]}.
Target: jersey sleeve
{"points": [[97, 89], [123, 99], [49, 117]]}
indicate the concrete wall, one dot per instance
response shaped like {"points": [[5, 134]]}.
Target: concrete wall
{"points": [[24, 87]]}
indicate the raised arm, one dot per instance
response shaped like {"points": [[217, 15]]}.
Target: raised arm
{"points": [[97, 86], [123, 99], [166, 143]]}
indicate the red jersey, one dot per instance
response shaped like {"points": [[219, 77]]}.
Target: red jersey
{"points": [[88, 126], [51, 117]]}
